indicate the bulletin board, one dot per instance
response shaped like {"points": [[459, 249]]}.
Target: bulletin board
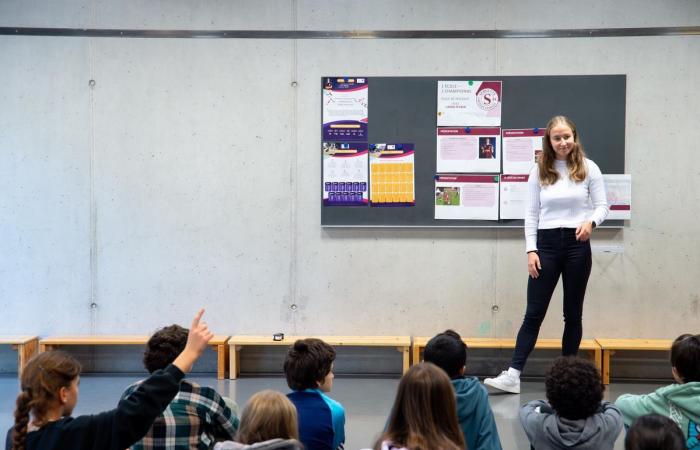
{"points": [[404, 109]]}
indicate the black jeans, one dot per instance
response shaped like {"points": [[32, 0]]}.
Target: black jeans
{"points": [[560, 254]]}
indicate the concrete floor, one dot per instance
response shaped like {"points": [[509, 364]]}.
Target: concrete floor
{"points": [[367, 402]]}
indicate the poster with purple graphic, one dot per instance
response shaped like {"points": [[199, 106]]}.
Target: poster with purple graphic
{"points": [[392, 174], [344, 108], [345, 174], [469, 103]]}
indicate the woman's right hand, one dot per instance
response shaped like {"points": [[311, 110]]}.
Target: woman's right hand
{"points": [[533, 264]]}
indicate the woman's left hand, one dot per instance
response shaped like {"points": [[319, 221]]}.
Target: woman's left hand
{"points": [[583, 232]]}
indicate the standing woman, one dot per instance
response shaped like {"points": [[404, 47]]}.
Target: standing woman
{"points": [[566, 202]]}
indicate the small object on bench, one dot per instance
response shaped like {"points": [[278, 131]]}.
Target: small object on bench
{"points": [[609, 346], [278, 337], [26, 347], [401, 343], [590, 345], [218, 343]]}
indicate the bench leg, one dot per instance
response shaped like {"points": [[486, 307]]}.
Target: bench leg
{"points": [[416, 354], [43, 348], [234, 361], [405, 351], [606, 367], [25, 353], [598, 359], [221, 361]]}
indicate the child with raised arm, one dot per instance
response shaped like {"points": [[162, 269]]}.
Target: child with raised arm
{"points": [[50, 392], [198, 416], [678, 401]]}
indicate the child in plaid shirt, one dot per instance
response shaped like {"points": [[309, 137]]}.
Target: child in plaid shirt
{"points": [[197, 417]]}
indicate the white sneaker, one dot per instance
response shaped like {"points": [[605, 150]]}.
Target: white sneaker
{"points": [[504, 382]]}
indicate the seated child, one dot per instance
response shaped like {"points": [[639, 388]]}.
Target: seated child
{"points": [[308, 368], [50, 392], [679, 401], [268, 418], [424, 415], [654, 432], [197, 417], [448, 352], [575, 417]]}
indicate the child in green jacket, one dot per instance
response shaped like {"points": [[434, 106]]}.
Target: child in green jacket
{"points": [[678, 401]]}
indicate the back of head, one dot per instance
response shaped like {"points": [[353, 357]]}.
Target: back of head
{"points": [[424, 414], [42, 378], [654, 432], [574, 387], [268, 415], [447, 351], [164, 346], [307, 363], [685, 357]]}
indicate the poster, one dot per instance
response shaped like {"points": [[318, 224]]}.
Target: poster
{"points": [[464, 150], [466, 197], [469, 103], [392, 179], [344, 109], [618, 189], [345, 181], [514, 192], [520, 149]]}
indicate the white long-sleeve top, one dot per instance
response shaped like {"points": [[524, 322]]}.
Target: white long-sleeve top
{"points": [[564, 204]]}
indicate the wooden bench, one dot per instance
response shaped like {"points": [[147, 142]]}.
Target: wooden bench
{"points": [[609, 346], [590, 345], [401, 343], [26, 347], [218, 343]]}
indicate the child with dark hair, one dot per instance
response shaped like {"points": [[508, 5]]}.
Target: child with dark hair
{"points": [[654, 432], [678, 401], [447, 351], [308, 368], [574, 417], [50, 392], [197, 417]]}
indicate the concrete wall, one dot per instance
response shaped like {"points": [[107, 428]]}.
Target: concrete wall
{"points": [[188, 174]]}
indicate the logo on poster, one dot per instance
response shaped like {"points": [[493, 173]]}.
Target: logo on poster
{"points": [[487, 99]]}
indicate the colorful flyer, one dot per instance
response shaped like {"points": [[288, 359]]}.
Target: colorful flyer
{"points": [[521, 147], [469, 103], [618, 189], [466, 197], [463, 150], [514, 192], [344, 109], [345, 181], [392, 179]]}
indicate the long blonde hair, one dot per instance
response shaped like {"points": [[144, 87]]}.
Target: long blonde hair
{"points": [[424, 415], [268, 415], [42, 378], [574, 161]]}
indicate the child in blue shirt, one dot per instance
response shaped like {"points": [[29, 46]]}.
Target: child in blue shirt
{"points": [[308, 368]]}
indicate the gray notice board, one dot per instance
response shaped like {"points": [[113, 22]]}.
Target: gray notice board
{"points": [[404, 109]]}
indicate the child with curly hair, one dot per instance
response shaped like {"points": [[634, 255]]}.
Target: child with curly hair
{"points": [[574, 415]]}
